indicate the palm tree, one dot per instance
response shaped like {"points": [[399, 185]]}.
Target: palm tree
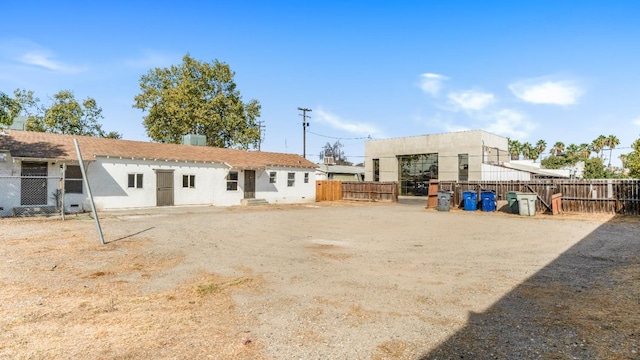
{"points": [[527, 151], [558, 148], [515, 148], [598, 144], [584, 150], [623, 159], [572, 151], [541, 145], [612, 141]]}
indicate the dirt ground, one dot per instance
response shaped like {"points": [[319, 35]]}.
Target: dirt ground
{"points": [[320, 281]]}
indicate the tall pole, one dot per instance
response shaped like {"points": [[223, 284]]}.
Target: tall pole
{"points": [[86, 182], [304, 130]]}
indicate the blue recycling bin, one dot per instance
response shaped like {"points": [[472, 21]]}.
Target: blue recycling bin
{"points": [[488, 200], [470, 200]]}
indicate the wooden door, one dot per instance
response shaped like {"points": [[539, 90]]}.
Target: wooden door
{"points": [[33, 185], [164, 181], [249, 184]]}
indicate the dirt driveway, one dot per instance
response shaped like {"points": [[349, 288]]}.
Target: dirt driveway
{"points": [[322, 281]]}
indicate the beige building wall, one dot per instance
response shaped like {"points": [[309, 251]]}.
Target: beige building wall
{"points": [[480, 145]]}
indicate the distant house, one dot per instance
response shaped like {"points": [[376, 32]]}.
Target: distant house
{"points": [[457, 156], [339, 172], [129, 174]]}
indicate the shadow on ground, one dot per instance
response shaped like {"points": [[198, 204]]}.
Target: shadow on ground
{"points": [[583, 305]]}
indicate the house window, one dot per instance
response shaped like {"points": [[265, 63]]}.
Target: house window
{"points": [[135, 181], [232, 181], [291, 179], [415, 171], [188, 181], [376, 169], [306, 178], [272, 177], [73, 180], [463, 167]]}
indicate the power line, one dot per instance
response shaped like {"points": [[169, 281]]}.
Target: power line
{"points": [[342, 138]]}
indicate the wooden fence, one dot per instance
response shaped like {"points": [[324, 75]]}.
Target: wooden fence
{"points": [[331, 190], [618, 196]]}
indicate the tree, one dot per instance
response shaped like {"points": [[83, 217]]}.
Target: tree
{"points": [[541, 146], [527, 151], [557, 149], [67, 116], [632, 161], [197, 98], [9, 109], [584, 151], [598, 144], [515, 148], [334, 151], [612, 141]]}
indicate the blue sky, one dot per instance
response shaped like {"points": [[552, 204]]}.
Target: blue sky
{"points": [[554, 70]]}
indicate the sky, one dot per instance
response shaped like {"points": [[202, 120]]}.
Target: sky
{"points": [[553, 70]]}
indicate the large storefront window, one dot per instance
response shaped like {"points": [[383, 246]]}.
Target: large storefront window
{"points": [[415, 172]]}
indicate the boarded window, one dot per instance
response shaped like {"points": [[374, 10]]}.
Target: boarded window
{"points": [[272, 177], [73, 180], [232, 181], [291, 179], [135, 181], [188, 181]]}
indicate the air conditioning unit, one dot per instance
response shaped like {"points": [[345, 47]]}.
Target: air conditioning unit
{"points": [[329, 160]]}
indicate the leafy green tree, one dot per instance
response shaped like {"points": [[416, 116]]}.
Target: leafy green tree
{"points": [[594, 169], [556, 162], [9, 109], [197, 98], [67, 116], [611, 143], [632, 161]]}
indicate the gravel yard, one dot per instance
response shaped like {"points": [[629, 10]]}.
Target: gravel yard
{"points": [[320, 281]]}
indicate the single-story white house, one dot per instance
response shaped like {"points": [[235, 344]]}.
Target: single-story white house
{"points": [[42, 170]]}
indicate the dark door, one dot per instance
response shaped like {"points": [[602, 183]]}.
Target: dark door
{"points": [[164, 181], [33, 186], [249, 184]]}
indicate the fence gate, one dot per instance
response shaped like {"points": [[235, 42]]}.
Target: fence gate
{"points": [[33, 186], [164, 182]]}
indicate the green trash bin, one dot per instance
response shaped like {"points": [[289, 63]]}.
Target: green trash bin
{"points": [[527, 203], [512, 200]]}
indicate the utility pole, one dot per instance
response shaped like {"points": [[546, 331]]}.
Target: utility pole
{"points": [[304, 130], [261, 130]]}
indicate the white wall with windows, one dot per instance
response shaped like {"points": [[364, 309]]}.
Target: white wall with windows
{"points": [[280, 185]]}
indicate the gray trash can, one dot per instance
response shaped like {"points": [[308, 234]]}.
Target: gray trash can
{"points": [[444, 200], [527, 203]]}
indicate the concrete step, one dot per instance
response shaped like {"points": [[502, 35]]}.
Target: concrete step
{"points": [[28, 211], [254, 202]]}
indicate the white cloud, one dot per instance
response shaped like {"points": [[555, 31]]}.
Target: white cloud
{"points": [[636, 122], [150, 59], [431, 83], [471, 100], [353, 127], [542, 91], [509, 123], [31, 54]]}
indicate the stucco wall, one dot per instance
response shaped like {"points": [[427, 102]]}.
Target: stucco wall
{"points": [[448, 146], [280, 192]]}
